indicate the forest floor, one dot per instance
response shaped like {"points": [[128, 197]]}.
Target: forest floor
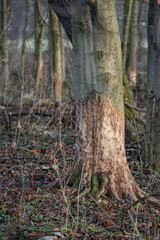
{"points": [[40, 149]]}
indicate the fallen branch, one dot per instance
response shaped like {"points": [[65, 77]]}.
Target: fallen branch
{"points": [[16, 114], [134, 107]]}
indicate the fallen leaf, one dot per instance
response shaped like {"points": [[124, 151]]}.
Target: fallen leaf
{"points": [[29, 198]]}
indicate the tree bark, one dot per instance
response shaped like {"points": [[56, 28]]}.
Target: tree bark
{"points": [[153, 86]]}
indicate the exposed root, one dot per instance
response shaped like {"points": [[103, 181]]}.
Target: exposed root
{"points": [[131, 190]]}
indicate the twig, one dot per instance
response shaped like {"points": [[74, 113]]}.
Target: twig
{"points": [[134, 107]]}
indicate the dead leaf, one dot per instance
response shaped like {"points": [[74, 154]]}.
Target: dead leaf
{"points": [[29, 197]]}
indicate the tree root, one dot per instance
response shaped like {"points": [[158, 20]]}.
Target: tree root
{"points": [[94, 187]]}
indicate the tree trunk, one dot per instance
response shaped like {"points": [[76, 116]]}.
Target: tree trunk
{"points": [[100, 147], [132, 69], [101, 163], [56, 71], [127, 18], [62, 34], [4, 48], [153, 86], [40, 28], [62, 8], [23, 53], [24, 39]]}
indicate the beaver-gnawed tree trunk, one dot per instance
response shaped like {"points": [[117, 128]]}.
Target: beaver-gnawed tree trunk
{"points": [[101, 163], [100, 146]]}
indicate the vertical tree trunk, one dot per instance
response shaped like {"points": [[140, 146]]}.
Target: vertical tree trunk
{"points": [[24, 39], [127, 18], [133, 46], [98, 91], [139, 30], [62, 34], [23, 52], [4, 48], [40, 28], [153, 86], [56, 71]]}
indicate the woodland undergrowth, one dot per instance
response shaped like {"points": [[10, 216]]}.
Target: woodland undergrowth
{"points": [[38, 150]]}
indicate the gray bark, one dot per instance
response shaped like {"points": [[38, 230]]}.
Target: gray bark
{"points": [[97, 52]]}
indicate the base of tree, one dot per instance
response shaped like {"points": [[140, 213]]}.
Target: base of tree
{"points": [[100, 151], [101, 165], [100, 162]]}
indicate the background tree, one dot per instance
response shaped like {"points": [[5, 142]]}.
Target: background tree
{"points": [[55, 56], [153, 86], [23, 53], [132, 64], [39, 34], [127, 18], [4, 47]]}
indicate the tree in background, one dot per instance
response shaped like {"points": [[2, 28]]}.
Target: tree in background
{"points": [[101, 163], [132, 65], [3, 46], [127, 19], [39, 34], [55, 56], [23, 53], [153, 86]]}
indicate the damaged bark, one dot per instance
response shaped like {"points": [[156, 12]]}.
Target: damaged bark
{"points": [[100, 151]]}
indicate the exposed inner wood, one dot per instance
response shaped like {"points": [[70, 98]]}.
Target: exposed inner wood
{"points": [[100, 150]]}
